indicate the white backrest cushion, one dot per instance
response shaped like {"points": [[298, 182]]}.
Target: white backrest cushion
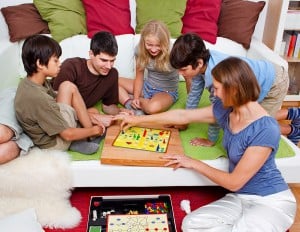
{"points": [[260, 25], [132, 5], [227, 46]]}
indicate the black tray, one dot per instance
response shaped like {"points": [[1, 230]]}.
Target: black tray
{"points": [[102, 206]]}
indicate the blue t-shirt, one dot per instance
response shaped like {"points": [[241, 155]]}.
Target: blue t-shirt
{"points": [[263, 70], [263, 132]]}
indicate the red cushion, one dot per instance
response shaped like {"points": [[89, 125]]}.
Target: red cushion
{"points": [[107, 15], [201, 17]]}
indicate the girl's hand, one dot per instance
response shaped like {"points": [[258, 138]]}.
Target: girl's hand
{"points": [[136, 103], [179, 161]]}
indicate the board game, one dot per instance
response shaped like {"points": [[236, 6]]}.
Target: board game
{"points": [[134, 213], [143, 138], [138, 223], [161, 140]]}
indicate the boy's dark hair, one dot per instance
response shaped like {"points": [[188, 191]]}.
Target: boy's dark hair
{"points": [[105, 42], [38, 47], [187, 50]]}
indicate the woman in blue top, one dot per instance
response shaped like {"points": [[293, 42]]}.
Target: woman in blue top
{"points": [[260, 199]]}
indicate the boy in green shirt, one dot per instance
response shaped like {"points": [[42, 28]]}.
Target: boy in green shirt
{"points": [[51, 118]]}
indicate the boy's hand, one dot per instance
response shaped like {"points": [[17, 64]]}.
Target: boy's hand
{"points": [[99, 129]]}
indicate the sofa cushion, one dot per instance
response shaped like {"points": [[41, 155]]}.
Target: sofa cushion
{"points": [[168, 11], [23, 21], [227, 46], [201, 17], [107, 15], [65, 18], [238, 19]]}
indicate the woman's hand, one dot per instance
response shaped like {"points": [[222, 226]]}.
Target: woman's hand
{"points": [[127, 121], [179, 161]]}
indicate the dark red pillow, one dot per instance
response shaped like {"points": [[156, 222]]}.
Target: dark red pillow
{"points": [[201, 17], [108, 15], [238, 19], [23, 21]]}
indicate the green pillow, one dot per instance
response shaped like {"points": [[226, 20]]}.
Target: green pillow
{"points": [[168, 11], [65, 18]]}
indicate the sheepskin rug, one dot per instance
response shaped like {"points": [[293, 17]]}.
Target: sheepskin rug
{"points": [[41, 180]]}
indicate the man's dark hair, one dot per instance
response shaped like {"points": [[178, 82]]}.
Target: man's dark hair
{"points": [[105, 42], [187, 50], [38, 47]]}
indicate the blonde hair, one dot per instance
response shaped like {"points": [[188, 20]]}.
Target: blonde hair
{"points": [[160, 31]]}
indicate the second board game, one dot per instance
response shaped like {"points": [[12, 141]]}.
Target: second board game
{"points": [[143, 138], [131, 213]]}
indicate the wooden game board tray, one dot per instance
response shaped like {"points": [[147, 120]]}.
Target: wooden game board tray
{"points": [[132, 157], [101, 207]]}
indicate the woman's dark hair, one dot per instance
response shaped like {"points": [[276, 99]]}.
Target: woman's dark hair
{"points": [[238, 80], [38, 48]]}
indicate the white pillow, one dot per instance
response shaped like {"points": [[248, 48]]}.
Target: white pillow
{"points": [[25, 221]]}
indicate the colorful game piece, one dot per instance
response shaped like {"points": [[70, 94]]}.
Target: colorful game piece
{"points": [[147, 139], [96, 203], [156, 208], [94, 215]]}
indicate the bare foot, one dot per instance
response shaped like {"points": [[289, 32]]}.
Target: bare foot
{"points": [[101, 119], [201, 142]]}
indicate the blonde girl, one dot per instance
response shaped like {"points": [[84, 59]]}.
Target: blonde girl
{"points": [[158, 90]]}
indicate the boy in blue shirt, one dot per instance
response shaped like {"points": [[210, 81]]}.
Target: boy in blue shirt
{"points": [[189, 51]]}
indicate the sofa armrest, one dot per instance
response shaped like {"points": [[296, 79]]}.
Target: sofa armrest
{"points": [[259, 50]]}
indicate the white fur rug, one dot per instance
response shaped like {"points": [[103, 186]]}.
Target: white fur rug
{"points": [[41, 180]]}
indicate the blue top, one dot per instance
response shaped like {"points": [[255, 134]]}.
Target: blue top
{"points": [[263, 70], [263, 132]]}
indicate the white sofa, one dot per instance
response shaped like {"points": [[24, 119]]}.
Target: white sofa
{"points": [[92, 173]]}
